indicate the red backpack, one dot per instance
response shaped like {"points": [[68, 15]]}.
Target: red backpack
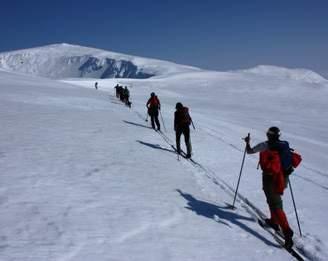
{"points": [[270, 162], [153, 102], [271, 165], [296, 159]]}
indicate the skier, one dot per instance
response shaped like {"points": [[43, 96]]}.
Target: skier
{"points": [[96, 85], [274, 182], [121, 93], [182, 121], [126, 96], [117, 90], [153, 105]]}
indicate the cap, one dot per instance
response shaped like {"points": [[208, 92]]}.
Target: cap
{"points": [[179, 105]]}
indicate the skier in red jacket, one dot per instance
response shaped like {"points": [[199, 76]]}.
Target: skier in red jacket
{"points": [[273, 182], [154, 105]]}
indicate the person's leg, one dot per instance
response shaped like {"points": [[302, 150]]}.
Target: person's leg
{"points": [[156, 119], [178, 133], [278, 216], [186, 133], [157, 123], [273, 199], [152, 120]]}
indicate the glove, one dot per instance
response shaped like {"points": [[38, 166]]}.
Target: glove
{"points": [[247, 139]]}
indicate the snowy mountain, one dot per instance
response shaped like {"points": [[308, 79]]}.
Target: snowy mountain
{"points": [[285, 73], [60, 61], [73, 61], [84, 177]]}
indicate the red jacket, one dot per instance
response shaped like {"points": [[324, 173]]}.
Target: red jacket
{"points": [[271, 165], [153, 102]]}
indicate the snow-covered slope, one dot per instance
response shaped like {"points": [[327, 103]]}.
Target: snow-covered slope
{"points": [[286, 73], [72, 61], [84, 178]]}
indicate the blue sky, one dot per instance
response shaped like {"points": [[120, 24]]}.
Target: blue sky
{"points": [[210, 34]]}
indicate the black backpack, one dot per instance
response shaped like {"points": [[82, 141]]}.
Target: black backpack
{"points": [[285, 153]]}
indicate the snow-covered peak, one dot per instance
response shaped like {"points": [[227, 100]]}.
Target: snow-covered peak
{"points": [[66, 61], [287, 73]]}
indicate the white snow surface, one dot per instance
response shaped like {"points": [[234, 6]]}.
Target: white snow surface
{"points": [[84, 178], [65, 60], [281, 72]]}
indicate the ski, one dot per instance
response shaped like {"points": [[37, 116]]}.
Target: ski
{"points": [[260, 217], [257, 214], [279, 239], [182, 154]]}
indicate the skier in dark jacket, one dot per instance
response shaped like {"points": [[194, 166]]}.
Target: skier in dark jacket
{"points": [[272, 193], [126, 96], [182, 121], [153, 104], [121, 91], [117, 90]]}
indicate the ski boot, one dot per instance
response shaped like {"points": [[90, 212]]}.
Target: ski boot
{"points": [[272, 224], [289, 239]]}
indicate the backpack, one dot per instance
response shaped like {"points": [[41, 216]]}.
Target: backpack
{"points": [[185, 117], [279, 161], [289, 158], [296, 159], [154, 102], [271, 165]]}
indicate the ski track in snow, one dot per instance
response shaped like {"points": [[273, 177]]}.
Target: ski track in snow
{"points": [[200, 172], [162, 221]]}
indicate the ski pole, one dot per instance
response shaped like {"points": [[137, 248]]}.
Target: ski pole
{"points": [[162, 120], [146, 116], [291, 192], [193, 124], [241, 170]]}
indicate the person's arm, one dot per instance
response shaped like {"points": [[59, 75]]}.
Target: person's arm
{"points": [[257, 148], [189, 116], [175, 121], [159, 104], [249, 149]]}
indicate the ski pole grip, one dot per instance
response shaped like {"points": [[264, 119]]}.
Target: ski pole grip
{"points": [[247, 138]]}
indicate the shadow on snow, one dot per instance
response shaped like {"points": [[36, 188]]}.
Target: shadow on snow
{"points": [[137, 124], [155, 146], [225, 215]]}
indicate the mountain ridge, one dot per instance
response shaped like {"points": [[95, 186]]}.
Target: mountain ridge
{"points": [[66, 61], [63, 60]]}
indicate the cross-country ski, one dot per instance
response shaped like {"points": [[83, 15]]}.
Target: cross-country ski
{"points": [[163, 130]]}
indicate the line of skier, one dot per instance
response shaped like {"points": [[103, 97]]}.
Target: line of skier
{"points": [[123, 94], [182, 121], [277, 161]]}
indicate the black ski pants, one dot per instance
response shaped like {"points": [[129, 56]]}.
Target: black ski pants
{"points": [[185, 130], [153, 113]]}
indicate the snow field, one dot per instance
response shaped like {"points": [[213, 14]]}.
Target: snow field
{"points": [[84, 178]]}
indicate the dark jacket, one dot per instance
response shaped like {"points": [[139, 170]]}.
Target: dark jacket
{"points": [[182, 118]]}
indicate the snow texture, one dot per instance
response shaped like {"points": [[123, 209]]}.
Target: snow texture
{"points": [[84, 177], [67, 61]]}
